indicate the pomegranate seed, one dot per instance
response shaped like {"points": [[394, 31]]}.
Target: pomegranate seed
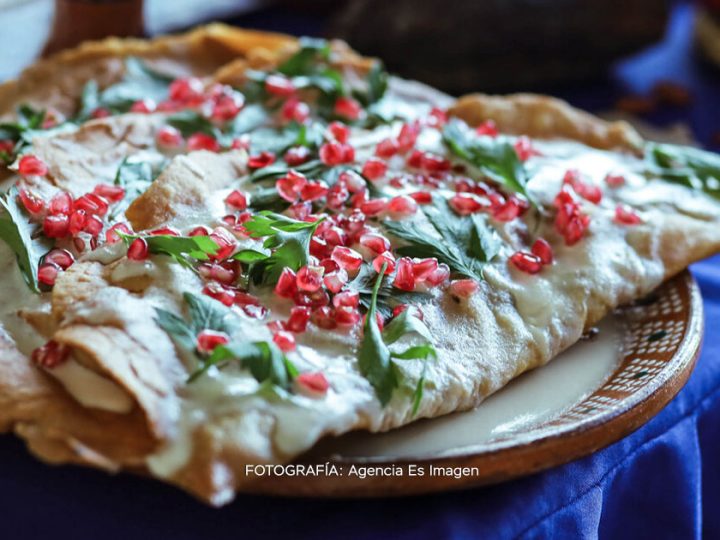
{"points": [[48, 273], [404, 276], [487, 128], [587, 191], [375, 242], [329, 265], [439, 276], [466, 203], [526, 262], [109, 192], [225, 241], [402, 206], [422, 268], [374, 169], [335, 280], [290, 185], [77, 222], [543, 250], [61, 257], [352, 181], [94, 205], [284, 340], [237, 200], [625, 215], [508, 211], [422, 197], [295, 110], [279, 85], [250, 305], [185, 90], [100, 112], [339, 131], [32, 202], [221, 274], [219, 292], [310, 278], [337, 196], [408, 136], [332, 154], [169, 137], [7, 147], [524, 149], [347, 299], [313, 383], [56, 226], [414, 311], [263, 159], [299, 317], [138, 250], [297, 155], [200, 230], [415, 159], [615, 180], [165, 231], [50, 355], [112, 236], [378, 319], [384, 258], [433, 163], [62, 203], [209, 340], [373, 207], [93, 226], [346, 258], [438, 117], [348, 153], [143, 106], [286, 286], [347, 316], [312, 191], [30, 165], [227, 107], [464, 287], [347, 107], [387, 148], [335, 236], [202, 141], [324, 317]]}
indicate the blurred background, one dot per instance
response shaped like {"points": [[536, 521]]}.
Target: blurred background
{"points": [[656, 60]]}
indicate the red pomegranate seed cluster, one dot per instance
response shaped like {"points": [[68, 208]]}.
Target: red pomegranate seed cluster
{"points": [[570, 221], [541, 254], [588, 191]]}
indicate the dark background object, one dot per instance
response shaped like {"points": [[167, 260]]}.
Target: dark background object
{"points": [[497, 45]]}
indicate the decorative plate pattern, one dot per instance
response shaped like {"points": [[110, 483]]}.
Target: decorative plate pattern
{"points": [[661, 340]]}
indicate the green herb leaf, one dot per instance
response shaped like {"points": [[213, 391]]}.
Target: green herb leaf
{"points": [[249, 256], [248, 119], [465, 243], [135, 177], [28, 124], [288, 239], [377, 84], [388, 297], [276, 170], [265, 361], [139, 82], [691, 167], [311, 52], [495, 157], [181, 248], [17, 232], [189, 122], [375, 358]]}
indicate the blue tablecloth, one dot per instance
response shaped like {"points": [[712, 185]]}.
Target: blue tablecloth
{"points": [[661, 482]]}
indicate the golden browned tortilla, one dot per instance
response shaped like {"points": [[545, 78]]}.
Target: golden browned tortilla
{"points": [[119, 397]]}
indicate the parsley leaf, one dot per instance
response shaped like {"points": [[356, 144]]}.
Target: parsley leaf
{"points": [[17, 232], [288, 239], [495, 157], [312, 50], [691, 167], [189, 122], [181, 248], [276, 170], [139, 82], [465, 243], [377, 84], [388, 296], [135, 177], [28, 124], [375, 359], [264, 360]]}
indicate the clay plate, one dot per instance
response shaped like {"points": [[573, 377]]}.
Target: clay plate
{"points": [[648, 349]]}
